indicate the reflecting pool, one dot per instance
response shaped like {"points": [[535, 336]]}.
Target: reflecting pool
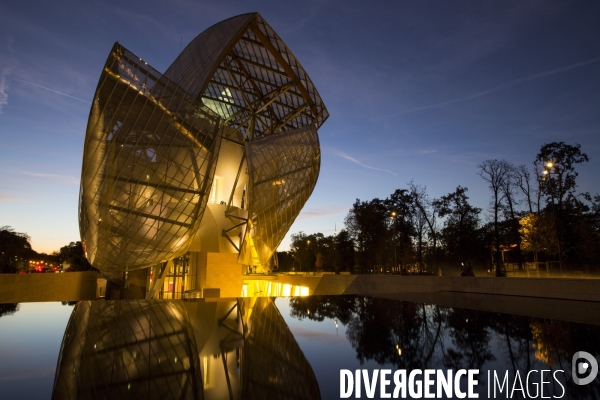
{"points": [[280, 348]]}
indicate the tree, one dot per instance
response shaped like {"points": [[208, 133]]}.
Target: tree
{"points": [[563, 158], [285, 260], [494, 172], [509, 187], [320, 261], [460, 224], [522, 178], [301, 251], [15, 250], [74, 255], [537, 234], [344, 251], [367, 225], [427, 213], [401, 213]]}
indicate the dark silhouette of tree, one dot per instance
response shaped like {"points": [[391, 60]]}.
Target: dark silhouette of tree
{"points": [[302, 251], [285, 260], [471, 334], [15, 250], [510, 187], [495, 172], [426, 211], [344, 251], [402, 227], [563, 157], [74, 255], [460, 225], [523, 180], [368, 225]]}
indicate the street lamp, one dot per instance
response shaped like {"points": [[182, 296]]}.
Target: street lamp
{"points": [[393, 217], [308, 255], [335, 250], [547, 174]]}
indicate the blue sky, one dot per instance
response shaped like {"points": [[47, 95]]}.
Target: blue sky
{"points": [[417, 90]]}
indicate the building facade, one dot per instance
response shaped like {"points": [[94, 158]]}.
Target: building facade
{"points": [[206, 165]]}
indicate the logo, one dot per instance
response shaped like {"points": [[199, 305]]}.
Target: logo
{"points": [[580, 367]]}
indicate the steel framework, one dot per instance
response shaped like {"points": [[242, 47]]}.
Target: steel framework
{"points": [[153, 142]]}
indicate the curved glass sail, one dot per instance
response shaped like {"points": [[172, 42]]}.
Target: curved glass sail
{"points": [[283, 171], [148, 164]]}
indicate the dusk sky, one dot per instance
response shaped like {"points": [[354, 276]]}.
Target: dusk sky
{"points": [[417, 90]]}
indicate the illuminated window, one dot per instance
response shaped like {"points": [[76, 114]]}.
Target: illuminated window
{"points": [[213, 192]]}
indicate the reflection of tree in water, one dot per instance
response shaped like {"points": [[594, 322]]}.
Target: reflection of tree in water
{"points": [[514, 333], [403, 334], [317, 308], [430, 336], [555, 343], [470, 333], [551, 341], [8, 309]]}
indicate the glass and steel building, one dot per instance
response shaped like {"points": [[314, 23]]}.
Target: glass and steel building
{"points": [[216, 155]]}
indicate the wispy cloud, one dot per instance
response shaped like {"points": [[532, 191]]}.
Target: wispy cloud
{"points": [[70, 180], [354, 160], [507, 84], [52, 90], [7, 198], [323, 211], [426, 151], [3, 89]]}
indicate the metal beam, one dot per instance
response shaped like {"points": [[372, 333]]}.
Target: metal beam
{"points": [[158, 280], [288, 69], [237, 177]]}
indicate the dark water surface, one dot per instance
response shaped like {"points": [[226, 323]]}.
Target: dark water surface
{"points": [[279, 348]]}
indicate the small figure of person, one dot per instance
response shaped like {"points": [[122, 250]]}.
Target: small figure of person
{"points": [[467, 270]]}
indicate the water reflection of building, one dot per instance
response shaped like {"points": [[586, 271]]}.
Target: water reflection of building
{"points": [[167, 349], [203, 169], [113, 349]]}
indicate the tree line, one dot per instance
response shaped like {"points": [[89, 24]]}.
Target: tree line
{"points": [[16, 254], [537, 216]]}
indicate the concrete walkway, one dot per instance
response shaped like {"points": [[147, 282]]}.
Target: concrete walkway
{"points": [[552, 288], [68, 286]]}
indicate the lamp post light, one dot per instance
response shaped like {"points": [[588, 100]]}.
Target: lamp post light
{"points": [[307, 255], [547, 174], [393, 219], [335, 250]]}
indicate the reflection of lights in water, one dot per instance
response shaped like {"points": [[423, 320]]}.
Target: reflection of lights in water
{"points": [[398, 349]]}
